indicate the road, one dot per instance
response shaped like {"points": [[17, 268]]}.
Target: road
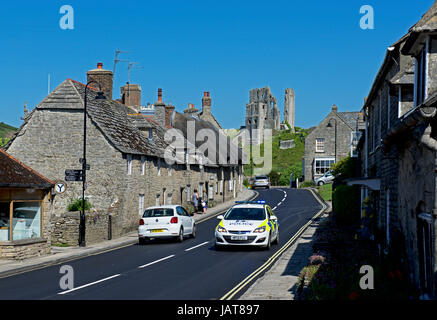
{"points": [[165, 270]]}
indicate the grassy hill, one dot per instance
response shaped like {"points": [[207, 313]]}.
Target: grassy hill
{"points": [[284, 162], [6, 132]]}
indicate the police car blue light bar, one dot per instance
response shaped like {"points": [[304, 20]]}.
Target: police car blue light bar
{"points": [[251, 202]]}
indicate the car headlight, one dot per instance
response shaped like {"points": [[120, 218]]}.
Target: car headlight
{"points": [[221, 229], [260, 230]]}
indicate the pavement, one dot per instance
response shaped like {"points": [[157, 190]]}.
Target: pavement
{"points": [[63, 254], [280, 281]]}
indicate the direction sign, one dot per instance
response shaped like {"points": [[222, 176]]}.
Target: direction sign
{"points": [[73, 178], [73, 172]]}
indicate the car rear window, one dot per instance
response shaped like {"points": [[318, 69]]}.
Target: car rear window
{"points": [[246, 214], [261, 178], [159, 212]]}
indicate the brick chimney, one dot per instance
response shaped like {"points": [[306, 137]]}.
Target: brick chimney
{"points": [[102, 76], [169, 109], [206, 103], [131, 95], [334, 108], [160, 112]]}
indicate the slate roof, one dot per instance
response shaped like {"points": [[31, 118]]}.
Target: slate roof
{"points": [[15, 174], [350, 118], [405, 76], [428, 22], [117, 122]]}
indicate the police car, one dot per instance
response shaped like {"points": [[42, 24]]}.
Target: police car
{"points": [[248, 223]]}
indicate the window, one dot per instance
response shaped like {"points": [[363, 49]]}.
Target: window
{"points": [[150, 134], [320, 144], [200, 188], [322, 165], [221, 186], [26, 223], [159, 167], [129, 164], [400, 102], [388, 110], [169, 198], [169, 170], [387, 235], [5, 208], [210, 192], [188, 193], [157, 200], [216, 187], [141, 204], [355, 138], [420, 77], [231, 185], [143, 165]]}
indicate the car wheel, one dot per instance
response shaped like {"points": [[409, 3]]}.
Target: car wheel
{"points": [[193, 233], [277, 238], [269, 242], [181, 235], [321, 183]]}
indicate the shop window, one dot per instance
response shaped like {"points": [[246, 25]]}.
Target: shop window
{"points": [[26, 223], [4, 221]]}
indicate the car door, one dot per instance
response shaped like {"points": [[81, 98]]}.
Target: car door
{"points": [[273, 222], [185, 221], [189, 220]]}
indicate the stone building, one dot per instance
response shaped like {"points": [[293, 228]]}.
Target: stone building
{"points": [[126, 153], [329, 142], [25, 210], [262, 112], [399, 156]]}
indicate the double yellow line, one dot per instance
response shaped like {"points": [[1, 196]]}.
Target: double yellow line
{"points": [[253, 275]]}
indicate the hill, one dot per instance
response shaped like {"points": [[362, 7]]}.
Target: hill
{"points": [[6, 132], [284, 161]]}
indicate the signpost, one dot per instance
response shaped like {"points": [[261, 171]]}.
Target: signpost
{"points": [[74, 175]]}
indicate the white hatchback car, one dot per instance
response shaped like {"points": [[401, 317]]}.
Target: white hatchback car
{"points": [[169, 221], [248, 223]]}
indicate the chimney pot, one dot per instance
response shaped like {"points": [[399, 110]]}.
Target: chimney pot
{"points": [[99, 65], [160, 95]]}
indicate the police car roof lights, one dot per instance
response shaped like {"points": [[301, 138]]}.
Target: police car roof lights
{"points": [[251, 202]]}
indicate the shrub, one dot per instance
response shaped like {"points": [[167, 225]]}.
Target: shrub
{"points": [[246, 183], [274, 177], [346, 204], [76, 205], [307, 184], [344, 168], [190, 208]]}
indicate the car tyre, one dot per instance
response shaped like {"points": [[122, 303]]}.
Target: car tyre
{"points": [[142, 241], [321, 183], [269, 242], [193, 233], [181, 235], [276, 241]]}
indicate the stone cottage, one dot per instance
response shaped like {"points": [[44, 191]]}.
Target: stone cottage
{"points": [[126, 153], [329, 142], [399, 158], [25, 210]]}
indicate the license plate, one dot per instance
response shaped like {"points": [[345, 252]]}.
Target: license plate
{"points": [[157, 230], [238, 237]]}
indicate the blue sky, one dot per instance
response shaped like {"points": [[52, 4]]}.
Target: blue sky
{"points": [[187, 47]]}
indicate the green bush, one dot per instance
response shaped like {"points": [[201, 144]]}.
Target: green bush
{"points": [[190, 208], [346, 204], [274, 177], [344, 168], [76, 205], [246, 183], [307, 184]]}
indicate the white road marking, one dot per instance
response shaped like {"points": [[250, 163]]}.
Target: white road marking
{"points": [[149, 264], [89, 284], [199, 245]]}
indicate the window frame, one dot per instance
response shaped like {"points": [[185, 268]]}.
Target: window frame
{"points": [[322, 142]]}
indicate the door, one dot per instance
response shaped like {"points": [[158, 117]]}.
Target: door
{"points": [[424, 238], [185, 219]]}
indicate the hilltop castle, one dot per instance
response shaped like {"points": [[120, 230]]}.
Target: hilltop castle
{"points": [[262, 113]]}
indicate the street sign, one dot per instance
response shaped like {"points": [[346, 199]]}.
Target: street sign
{"points": [[73, 178], [87, 167], [60, 187], [73, 172], [74, 175]]}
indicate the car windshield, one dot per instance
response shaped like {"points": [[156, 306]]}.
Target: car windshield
{"points": [[261, 178], [158, 212], [246, 214]]}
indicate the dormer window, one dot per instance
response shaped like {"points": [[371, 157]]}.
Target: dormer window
{"points": [[420, 79]]}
